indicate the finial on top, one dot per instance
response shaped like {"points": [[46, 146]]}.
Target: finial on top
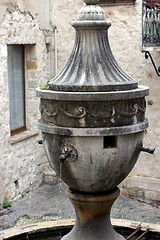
{"points": [[91, 2]]}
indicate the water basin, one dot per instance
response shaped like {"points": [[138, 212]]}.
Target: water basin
{"points": [[57, 235], [55, 230]]}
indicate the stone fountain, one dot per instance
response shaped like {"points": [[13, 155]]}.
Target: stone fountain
{"points": [[92, 123]]}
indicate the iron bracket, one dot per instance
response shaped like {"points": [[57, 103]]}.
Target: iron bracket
{"points": [[147, 54]]}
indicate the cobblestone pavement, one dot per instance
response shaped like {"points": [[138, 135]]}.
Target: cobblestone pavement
{"points": [[49, 202]]}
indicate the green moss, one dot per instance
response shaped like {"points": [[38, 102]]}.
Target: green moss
{"points": [[45, 86], [22, 194], [7, 203]]}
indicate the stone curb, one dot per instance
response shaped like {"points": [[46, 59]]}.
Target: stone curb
{"points": [[68, 223]]}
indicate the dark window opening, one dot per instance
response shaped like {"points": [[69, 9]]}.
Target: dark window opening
{"points": [[109, 141], [116, 2]]}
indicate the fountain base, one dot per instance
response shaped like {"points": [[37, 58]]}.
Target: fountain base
{"points": [[93, 216]]}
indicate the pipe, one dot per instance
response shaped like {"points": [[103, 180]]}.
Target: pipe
{"points": [[142, 235], [148, 150], [136, 231], [64, 156], [55, 51]]}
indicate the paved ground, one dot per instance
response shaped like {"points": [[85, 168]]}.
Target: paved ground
{"points": [[50, 203]]}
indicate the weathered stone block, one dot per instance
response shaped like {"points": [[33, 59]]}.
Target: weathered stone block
{"points": [[31, 64]]}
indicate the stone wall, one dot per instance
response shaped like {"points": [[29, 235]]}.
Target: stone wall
{"points": [[48, 43], [22, 159], [125, 40], [144, 179]]}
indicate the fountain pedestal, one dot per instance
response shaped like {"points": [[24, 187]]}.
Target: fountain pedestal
{"points": [[93, 216]]}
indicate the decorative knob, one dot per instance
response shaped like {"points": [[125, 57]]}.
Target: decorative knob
{"points": [[91, 2]]}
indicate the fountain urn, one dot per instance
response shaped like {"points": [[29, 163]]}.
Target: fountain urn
{"points": [[92, 123]]}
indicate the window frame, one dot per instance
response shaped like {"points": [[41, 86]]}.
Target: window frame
{"points": [[21, 128]]}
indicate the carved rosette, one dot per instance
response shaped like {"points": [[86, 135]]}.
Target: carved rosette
{"points": [[93, 114]]}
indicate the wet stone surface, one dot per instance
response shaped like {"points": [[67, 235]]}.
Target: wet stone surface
{"points": [[49, 202]]}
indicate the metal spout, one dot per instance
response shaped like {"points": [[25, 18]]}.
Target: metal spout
{"points": [[64, 156], [143, 149], [148, 150]]}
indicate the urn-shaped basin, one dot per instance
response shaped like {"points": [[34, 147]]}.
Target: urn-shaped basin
{"points": [[96, 163]]}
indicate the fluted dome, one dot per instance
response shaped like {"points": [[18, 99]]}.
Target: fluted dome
{"points": [[92, 66]]}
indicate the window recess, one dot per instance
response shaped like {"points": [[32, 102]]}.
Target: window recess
{"points": [[16, 78], [116, 2]]}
